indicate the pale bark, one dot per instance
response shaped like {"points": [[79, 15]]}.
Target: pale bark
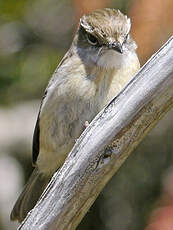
{"points": [[105, 145]]}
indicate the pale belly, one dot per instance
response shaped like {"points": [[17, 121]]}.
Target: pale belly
{"points": [[61, 126], [63, 117]]}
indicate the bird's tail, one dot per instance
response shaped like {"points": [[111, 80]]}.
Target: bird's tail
{"points": [[30, 195]]}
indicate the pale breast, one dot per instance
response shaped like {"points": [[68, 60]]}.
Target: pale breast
{"points": [[67, 108], [71, 102]]}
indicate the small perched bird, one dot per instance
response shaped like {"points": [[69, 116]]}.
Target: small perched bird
{"points": [[100, 61]]}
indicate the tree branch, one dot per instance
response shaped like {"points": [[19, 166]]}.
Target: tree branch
{"points": [[105, 144]]}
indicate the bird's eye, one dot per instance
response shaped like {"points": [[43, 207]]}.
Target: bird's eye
{"points": [[91, 39]]}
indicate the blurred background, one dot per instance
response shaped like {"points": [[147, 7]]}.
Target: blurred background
{"points": [[34, 36]]}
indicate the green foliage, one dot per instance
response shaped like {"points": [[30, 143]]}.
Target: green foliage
{"points": [[30, 49]]}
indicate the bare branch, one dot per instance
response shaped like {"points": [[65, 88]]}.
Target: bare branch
{"points": [[120, 126]]}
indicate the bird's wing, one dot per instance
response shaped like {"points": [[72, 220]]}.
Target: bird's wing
{"points": [[36, 136]]}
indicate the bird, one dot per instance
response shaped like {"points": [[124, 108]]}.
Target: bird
{"points": [[100, 61]]}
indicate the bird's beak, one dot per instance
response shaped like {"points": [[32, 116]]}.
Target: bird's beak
{"points": [[117, 47]]}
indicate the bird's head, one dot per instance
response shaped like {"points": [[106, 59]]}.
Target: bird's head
{"points": [[103, 38]]}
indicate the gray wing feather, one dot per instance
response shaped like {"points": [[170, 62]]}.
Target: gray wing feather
{"points": [[36, 136]]}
